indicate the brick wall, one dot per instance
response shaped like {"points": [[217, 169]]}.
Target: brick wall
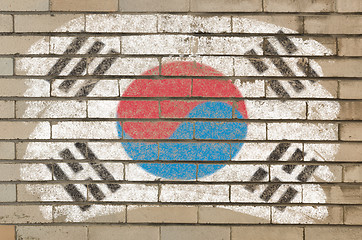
{"points": [[181, 119]]}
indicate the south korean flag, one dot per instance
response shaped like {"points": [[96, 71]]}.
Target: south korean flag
{"points": [[146, 110]]}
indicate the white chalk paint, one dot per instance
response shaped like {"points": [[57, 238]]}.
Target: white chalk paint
{"points": [[173, 47]]}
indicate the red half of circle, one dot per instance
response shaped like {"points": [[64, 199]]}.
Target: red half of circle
{"points": [[167, 87]]}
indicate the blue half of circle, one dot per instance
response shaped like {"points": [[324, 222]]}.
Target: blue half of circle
{"points": [[193, 151]]}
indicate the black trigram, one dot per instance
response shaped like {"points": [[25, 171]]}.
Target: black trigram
{"points": [[260, 174], [80, 67], [281, 65], [84, 90], [101, 171]]}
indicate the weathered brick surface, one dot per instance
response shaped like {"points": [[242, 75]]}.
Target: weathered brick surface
{"points": [[84, 5], [194, 233], [162, 214], [353, 215], [332, 233], [11, 172], [349, 6], [7, 150], [18, 5], [6, 23], [349, 152], [23, 214], [60, 214], [6, 66], [226, 6], [351, 131], [8, 192], [350, 67], [127, 232], [154, 5], [343, 194], [333, 24], [352, 173], [11, 87], [349, 111], [266, 233], [53, 232], [209, 214], [7, 108], [46, 23], [79, 145], [22, 130], [299, 6], [7, 232], [349, 89], [20, 45], [349, 47]]}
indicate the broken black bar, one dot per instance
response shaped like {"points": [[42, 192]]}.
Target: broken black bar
{"points": [[297, 156], [270, 190], [287, 44], [101, 69], [102, 172], [71, 189], [95, 191]]}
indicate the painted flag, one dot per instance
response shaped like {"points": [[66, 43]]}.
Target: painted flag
{"points": [[190, 119]]}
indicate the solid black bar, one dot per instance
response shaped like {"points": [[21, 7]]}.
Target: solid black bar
{"points": [[278, 152], [102, 172], [80, 67], [105, 65], [283, 68], [57, 171], [70, 188], [67, 155], [287, 44], [105, 175], [258, 64], [85, 151], [62, 62], [77, 70], [96, 191], [307, 172], [296, 157], [278, 89], [278, 62], [270, 190], [287, 197], [259, 175]]}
